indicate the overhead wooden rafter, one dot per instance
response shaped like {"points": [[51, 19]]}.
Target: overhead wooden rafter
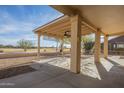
{"points": [[96, 21], [116, 34], [58, 27], [68, 10]]}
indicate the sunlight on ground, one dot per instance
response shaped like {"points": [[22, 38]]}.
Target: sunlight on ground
{"points": [[62, 62], [106, 64], [89, 68], [118, 60]]}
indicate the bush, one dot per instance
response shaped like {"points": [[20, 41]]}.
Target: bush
{"points": [[25, 44], [87, 44]]}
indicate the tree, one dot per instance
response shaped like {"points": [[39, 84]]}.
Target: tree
{"points": [[87, 43], [64, 41], [25, 44], [67, 40]]}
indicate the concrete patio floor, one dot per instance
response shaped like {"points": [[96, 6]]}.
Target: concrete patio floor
{"points": [[54, 72]]}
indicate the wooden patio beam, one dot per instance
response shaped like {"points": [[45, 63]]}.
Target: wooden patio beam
{"points": [[67, 10], [105, 46], [97, 46], [75, 43], [115, 34], [89, 24]]}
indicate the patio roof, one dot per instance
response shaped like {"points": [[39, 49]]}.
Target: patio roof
{"points": [[109, 18], [59, 26], [82, 20]]}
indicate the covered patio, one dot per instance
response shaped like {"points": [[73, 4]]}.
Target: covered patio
{"points": [[83, 20], [98, 70]]}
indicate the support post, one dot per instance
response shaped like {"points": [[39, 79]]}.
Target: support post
{"points": [[61, 46], [97, 46], [38, 48], [75, 43], [57, 46], [105, 46]]}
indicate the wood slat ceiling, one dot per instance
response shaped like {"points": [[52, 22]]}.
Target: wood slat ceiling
{"points": [[58, 27]]}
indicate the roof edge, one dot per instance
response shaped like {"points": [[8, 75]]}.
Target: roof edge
{"points": [[57, 19]]}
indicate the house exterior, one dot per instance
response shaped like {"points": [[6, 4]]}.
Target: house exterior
{"points": [[116, 45]]}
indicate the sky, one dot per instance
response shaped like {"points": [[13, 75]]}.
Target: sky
{"points": [[18, 22]]}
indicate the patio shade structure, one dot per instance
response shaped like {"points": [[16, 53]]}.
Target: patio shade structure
{"points": [[83, 20]]}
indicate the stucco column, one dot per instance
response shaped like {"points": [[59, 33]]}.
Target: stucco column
{"points": [[97, 46], [105, 46], [38, 48], [75, 43]]}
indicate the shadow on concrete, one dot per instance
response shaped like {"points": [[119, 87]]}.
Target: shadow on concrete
{"points": [[64, 78], [101, 70], [117, 67], [68, 79], [112, 61]]}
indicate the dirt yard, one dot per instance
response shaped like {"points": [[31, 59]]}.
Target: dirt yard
{"points": [[10, 50]]}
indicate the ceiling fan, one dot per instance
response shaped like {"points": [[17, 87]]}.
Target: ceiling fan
{"points": [[67, 34]]}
